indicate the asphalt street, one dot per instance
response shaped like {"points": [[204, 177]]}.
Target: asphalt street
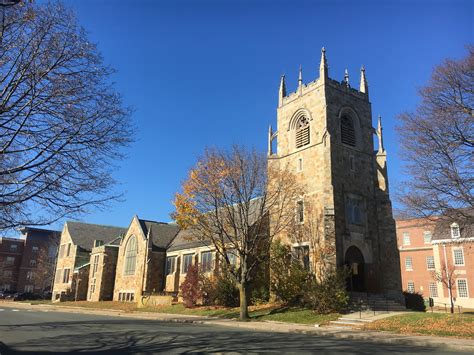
{"points": [[41, 332]]}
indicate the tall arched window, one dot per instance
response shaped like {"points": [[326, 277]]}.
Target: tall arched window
{"points": [[348, 131], [302, 132], [130, 256]]}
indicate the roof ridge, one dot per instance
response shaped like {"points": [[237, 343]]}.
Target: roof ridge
{"points": [[95, 224]]}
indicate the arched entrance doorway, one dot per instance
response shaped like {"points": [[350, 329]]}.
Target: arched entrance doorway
{"points": [[354, 260]]}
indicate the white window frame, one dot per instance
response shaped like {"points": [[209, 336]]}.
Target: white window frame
{"points": [[406, 238], [408, 267], [455, 231], [411, 285], [457, 288], [425, 234], [462, 256], [173, 259], [183, 266], [431, 263], [433, 288], [211, 262]]}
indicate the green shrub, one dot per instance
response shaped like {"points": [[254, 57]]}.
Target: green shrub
{"points": [[287, 278], [328, 295], [226, 291], [414, 301]]}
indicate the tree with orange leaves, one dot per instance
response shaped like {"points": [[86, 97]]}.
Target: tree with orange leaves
{"points": [[228, 199]]}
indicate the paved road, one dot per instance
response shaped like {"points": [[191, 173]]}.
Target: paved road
{"points": [[39, 332]]}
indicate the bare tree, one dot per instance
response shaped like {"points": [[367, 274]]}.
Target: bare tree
{"points": [[438, 142], [62, 125], [323, 252], [228, 199], [446, 277]]}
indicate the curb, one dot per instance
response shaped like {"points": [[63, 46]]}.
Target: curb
{"points": [[375, 337]]}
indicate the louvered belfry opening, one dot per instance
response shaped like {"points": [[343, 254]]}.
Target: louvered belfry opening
{"points": [[302, 132], [348, 131]]}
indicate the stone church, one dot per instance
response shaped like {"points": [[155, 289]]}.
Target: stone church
{"points": [[325, 135]]}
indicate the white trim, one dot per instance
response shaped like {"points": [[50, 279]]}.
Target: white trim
{"points": [[457, 288], [454, 258], [457, 240]]}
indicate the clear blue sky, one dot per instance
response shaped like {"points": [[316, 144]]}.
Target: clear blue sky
{"points": [[206, 73]]}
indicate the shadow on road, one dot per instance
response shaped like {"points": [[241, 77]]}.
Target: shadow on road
{"points": [[126, 336]]}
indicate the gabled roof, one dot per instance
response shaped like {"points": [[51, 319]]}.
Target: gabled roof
{"points": [[84, 234], [161, 233]]}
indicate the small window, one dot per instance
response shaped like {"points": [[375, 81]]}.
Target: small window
{"points": [[34, 249], [132, 297], [29, 288], [187, 262], [206, 261], [455, 233], [300, 165], [32, 262], [302, 132], [348, 131], [13, 247], [411, 287], [408, 263], [8, 273], [61, 251], [95, 265], [406, 238], [433, 289], [458, 257], [427, 237], [301, 254], [29, 275], [66, 276], [68, 249], [170, 265], [352, 163], [462, 288], [430, 264], [10, 260], [354, 210], [92, 288], [300, 211]]}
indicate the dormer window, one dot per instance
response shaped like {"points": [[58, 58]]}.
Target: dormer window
{"points": [[302, 132], [348, 131], [455, 233]]}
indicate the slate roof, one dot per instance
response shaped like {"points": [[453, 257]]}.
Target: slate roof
{"points": [[466, 226], [84, 234], [161, 233], [185, 239]]}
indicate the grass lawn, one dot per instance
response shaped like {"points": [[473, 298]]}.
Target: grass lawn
{"points": [[439, 324], [273, 312]]}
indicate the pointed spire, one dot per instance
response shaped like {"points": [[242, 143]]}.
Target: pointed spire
{"points": [[282, 91], [364, 87], [380, 135], [270, 136], [300, 81], [323, 66], [346, 78]]}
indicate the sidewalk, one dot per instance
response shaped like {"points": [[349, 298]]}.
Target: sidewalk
{"points": [[268, 326]]}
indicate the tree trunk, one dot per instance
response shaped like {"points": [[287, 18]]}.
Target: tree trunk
{"points": [[452, 304], [244, 312]]}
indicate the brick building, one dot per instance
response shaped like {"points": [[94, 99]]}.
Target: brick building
{"points": [[437, 245], [27, 263], [11, 251], [72, 268], [39, 260]]}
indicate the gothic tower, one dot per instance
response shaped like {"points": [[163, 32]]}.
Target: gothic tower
{"points": [[325, 135]]}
